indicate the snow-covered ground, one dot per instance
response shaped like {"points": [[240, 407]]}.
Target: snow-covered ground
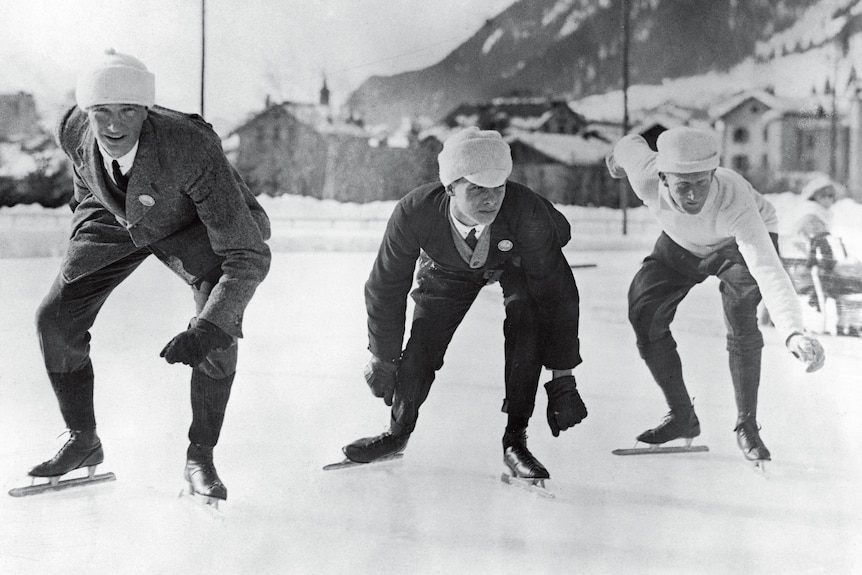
{"points": [[307, 224], [299, 396]]}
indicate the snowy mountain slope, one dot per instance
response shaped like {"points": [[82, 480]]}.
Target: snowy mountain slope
{"points": [[572, 49]]}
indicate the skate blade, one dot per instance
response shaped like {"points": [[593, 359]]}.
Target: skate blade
{"points": [[662, 449], [759, 467], [532, 485], [57, 484], [203, 502], [347, 463]]}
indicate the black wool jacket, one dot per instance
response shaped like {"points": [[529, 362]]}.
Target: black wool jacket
{"points": [[528, 231]]}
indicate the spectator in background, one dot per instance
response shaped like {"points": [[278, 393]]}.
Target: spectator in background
{"points": [[821, 266]]}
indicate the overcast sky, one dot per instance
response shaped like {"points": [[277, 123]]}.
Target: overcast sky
{"points": [[253, 48]]}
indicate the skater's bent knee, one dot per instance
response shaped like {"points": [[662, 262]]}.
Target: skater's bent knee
{"points": [[753, 341], [48, 317], [650, 349], [519, 311]]}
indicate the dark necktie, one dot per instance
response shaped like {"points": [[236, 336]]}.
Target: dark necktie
{"points": [[122, 181], [471, 239]]}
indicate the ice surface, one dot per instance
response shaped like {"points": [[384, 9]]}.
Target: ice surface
{"points": [[299, 396]]}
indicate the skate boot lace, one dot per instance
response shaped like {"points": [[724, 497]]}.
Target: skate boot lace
{"points": [[62, 450], [519, 459], [380, 438], [206, 467], [678, 421], [750, 432], [73, 435]]}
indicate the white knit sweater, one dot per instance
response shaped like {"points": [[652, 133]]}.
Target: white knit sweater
{"points": [[734, 211]]}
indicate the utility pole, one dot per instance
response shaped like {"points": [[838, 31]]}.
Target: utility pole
{"points": [[833, 119], [623, 183], [203, 50]]}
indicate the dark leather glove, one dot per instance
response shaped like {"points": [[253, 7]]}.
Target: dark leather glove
{"points": [[193, 345], [565, 407], [381, 377]]}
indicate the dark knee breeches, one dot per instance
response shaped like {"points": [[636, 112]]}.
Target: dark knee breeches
{"points": [[63, 321], [442, 300], [666, 277]]}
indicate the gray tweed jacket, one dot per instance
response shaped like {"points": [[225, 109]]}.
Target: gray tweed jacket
{"points": [[185, 203]]}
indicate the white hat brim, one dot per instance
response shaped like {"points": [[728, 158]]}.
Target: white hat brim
{"points": [[488, 178]]}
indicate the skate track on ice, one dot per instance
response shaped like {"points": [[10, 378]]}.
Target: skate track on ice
{"points": [[299, 396]]}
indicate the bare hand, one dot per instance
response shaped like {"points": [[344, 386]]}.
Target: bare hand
{"points": [[808, 350]]}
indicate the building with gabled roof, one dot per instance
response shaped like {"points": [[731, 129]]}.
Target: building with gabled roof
{"points": [[565, 168], [763, 135], [281, 150], [303, 149], [571, 150]]}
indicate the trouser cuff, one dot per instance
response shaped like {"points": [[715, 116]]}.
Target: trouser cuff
{"points": [[517, 409]]}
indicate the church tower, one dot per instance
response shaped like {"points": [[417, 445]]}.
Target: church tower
{"points": [[324, 94]]}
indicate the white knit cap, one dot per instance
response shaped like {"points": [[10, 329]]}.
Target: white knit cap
{"points": [[480, 156], [820, 182], [116, 79], [685, 150]]}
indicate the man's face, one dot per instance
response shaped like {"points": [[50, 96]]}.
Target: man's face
{"points": [[689, 191], [117, 126], [474, 204]]}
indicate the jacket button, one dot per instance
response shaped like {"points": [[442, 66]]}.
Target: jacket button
{"points": [[146, 200]]}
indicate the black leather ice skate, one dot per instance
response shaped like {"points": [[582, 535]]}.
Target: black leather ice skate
{"points": [[380, 447], [201, 476], [518, 458], [748, 439], [673, 426], [83, 449]]}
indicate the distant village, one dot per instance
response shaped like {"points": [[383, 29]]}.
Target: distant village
{"points": [[314, 150], [304, 148]]}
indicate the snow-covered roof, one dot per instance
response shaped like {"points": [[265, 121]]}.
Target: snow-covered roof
{"points": [[530, 122], [647, 121], [312, 115], [440, 132], [572, 150], [611, 132], [679, 99], [771, 101], [525, 113]]}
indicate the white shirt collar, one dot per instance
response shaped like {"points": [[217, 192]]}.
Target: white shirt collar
{"points": [[464, 229], [125, 161]]}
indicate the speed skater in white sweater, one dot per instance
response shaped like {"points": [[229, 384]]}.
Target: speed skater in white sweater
{"points": [[714, 223]]}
